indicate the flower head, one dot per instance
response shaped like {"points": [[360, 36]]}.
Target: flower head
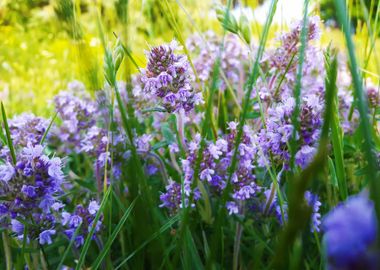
{"points": [[350, 229], [168, 77]]}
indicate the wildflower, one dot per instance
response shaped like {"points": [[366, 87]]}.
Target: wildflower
{"points": [[350, 229], [315, 204], [214, 168], [93, 207], [7, 171], [83, 217], [234, 59], [78, 113], [167, 76], [45, 237], [27, 129], [30, 188]]}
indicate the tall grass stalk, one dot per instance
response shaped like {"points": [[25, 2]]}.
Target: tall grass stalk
{"points": [[372, 170], [298, 86]]}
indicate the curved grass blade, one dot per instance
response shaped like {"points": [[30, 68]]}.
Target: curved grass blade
{"points": [[48, 128], [298, 86], [166, 226], [87, 243], [2, 136], [112, 238], [8, 133], [372, 170], [59, 267]]}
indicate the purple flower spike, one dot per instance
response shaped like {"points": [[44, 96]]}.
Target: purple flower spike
{"points": [[168, 77]]}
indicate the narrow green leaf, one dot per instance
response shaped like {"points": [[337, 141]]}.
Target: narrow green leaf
{"points": [[336, 131], [48, 128], [372, 171], [59, 267], [92, 231], [8, 133], [166, 226], [112, 238]]}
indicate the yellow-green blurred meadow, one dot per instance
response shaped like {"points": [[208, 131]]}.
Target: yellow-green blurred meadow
{"points": [[39, 54]]}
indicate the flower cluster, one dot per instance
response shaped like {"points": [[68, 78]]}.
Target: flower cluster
{"points": [[168, 77], [349, 231], [216, 159], [234, 58], [276, 93], [27, 129], [83, 217], [30, 188], [78, 113]]}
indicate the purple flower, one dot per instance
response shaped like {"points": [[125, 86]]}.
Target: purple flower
{"points": [[75, 221], [232, 208], [84, 217], [78, 113], [305, 155], [27, 129], [29, 191], [17, 227], [350, 229], [93, 207], [45, 237], [6, 172], [234, 59], [168, 77], [315, 204], [29, 195]]}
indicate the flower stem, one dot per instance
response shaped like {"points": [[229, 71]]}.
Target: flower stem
{"points": [[238, 233], [7, 251]]}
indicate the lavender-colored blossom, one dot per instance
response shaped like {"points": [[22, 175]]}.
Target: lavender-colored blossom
{"points": [[93, 207], [27, 129], [78, 113], [234, 59], [84, 217], [168, 77], [315, 204], [45, 237], [30, 192], [214, 169], [350, 229], [7, 171], [276, 93]]}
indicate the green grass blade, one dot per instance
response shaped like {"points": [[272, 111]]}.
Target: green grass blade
{"points": [[8, 133], [48, 128], [59, 267], [112, 238], [372, 171], [336, 131], [165, 227], [2, 136], [298, 86], [87, 242]]}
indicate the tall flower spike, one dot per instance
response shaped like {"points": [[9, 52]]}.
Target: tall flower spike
{"points": [[168, 77]]}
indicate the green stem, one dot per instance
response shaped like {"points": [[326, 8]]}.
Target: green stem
{"points": [[7, 251]]}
